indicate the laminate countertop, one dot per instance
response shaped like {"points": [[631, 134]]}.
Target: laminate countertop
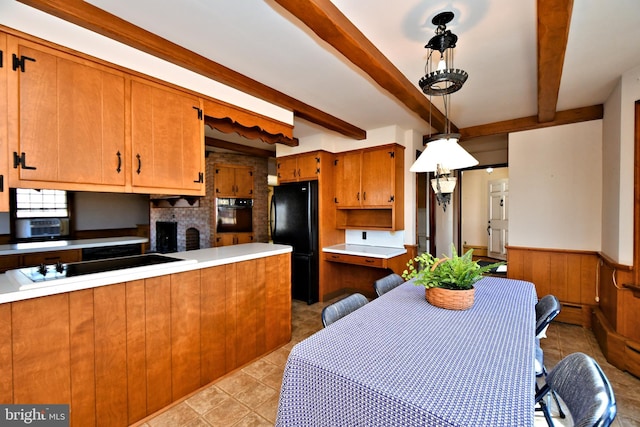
{"points": [[61, 245], [15, 286], [384, 252]]}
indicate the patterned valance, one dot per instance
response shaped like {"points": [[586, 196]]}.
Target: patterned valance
{"points": [[227, 118]]}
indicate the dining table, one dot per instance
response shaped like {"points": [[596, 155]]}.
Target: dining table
{"points": [[400, 361]]}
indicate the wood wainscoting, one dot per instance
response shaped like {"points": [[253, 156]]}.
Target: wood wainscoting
{"points": [[572, 276], [594, 292], [616, 319]]}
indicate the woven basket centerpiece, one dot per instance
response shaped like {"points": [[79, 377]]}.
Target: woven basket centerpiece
{"points": [[448, 281], [451, 299]]}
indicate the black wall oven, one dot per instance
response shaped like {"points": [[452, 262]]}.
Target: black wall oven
{"points": [[234, 215]]}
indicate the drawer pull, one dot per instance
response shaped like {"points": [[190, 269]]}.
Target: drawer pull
{"points": [[633, 349]]}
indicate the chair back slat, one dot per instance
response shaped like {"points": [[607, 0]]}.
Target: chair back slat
{"points": [[341, 308]]}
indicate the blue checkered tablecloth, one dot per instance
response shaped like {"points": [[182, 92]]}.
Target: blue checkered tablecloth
{"points": [[399, 361]]}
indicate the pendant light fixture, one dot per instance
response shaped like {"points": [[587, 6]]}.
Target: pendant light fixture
{"points": [[441, 77], [442, 153]]}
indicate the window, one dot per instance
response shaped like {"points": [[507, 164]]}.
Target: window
{"points": [[41, 203]]}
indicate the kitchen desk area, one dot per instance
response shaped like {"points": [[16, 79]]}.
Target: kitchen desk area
{"points": [[120, 345], [355, 267]]}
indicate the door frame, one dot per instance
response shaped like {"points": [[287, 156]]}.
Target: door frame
{"points": [[457, 193]]}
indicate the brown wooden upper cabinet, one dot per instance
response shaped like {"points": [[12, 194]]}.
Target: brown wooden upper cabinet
{"points": [[167, 144], [67, 125], [369, 188], [4, 166], [234, 181], [367, 177], [299, 167], [67, 119]]}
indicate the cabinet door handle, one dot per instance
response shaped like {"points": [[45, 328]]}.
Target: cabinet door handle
{"points": [[358, 196], [1, 183], [200, 178], [139, 163], [119, 168], [21, 161], [364, 195], [19, 62]]}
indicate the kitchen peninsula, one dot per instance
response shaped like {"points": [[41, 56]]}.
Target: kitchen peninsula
{"points": [[118, 346]]}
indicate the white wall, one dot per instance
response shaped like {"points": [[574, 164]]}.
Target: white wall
{"points": [[611, 161], [618, 164], [102, 211], [555, 187]]}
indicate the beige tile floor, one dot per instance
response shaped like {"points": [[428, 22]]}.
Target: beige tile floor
{"points": [[249, 397]]}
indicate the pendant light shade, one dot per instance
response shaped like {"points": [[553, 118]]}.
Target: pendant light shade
{"points": [[443, 153]]}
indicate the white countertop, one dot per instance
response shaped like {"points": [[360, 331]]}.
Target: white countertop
{"points": [[15, 286], [384, 252], [60, 245]]}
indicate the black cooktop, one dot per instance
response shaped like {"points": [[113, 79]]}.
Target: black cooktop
{"points": [[60, 271], [110, 264]]}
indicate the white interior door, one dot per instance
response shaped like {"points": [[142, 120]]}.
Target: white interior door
{"points": [[498, 227]]}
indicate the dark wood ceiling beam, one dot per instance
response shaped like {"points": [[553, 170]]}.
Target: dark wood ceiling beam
{"points": [[90, 17], [244, 149], [576, 115], [554, 17], [326, 20]]}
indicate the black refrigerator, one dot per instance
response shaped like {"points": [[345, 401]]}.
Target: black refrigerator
{"points": [[294, 222]]}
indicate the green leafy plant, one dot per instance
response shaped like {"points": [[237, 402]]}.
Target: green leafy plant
{"points": [[457, 272]]}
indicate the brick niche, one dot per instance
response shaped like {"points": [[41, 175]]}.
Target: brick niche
{"points": [[201, 215]]}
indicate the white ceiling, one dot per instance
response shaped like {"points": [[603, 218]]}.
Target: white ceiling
{"points": [[496, 46]]}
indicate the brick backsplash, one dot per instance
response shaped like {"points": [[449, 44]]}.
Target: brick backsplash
{"points": [[202, 216]]}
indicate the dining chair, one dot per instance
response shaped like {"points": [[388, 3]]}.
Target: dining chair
{"points": [[384, 285], [547, 309], [585, 390], [342, 307]]}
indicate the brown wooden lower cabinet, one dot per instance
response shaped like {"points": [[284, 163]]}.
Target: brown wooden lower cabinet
{"points": [[185, 333], [136, 349], [41, 352], [158, 342], [120, 352], [227, 239], [356, 259], [212, 324], [110, 324]]}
